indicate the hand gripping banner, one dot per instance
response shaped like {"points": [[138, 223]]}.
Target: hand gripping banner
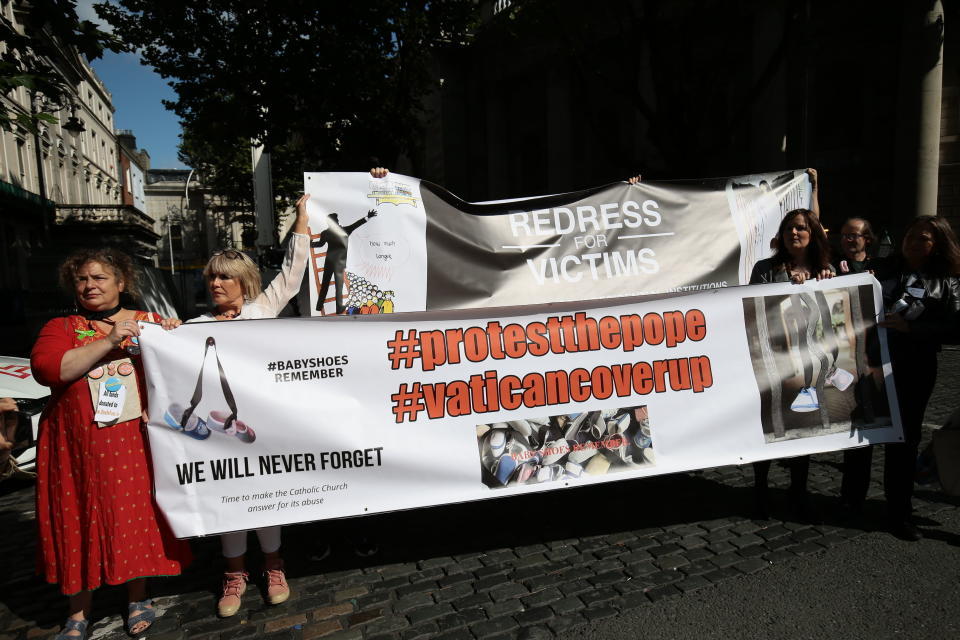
{"points": [[365, 414]]}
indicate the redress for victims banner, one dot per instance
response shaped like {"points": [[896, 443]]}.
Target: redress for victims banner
{"points": [[264, 422], [381, 245]]}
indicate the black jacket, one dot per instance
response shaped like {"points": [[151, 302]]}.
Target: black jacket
{"points": [[938, 320]]}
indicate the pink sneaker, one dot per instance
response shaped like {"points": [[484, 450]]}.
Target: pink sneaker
{"points": [[234, 584], [277, 589]]}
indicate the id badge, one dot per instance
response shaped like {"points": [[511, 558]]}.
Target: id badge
{"points": [[111, 398], [114, 392]]}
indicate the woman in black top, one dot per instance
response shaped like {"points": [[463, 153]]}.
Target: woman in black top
{"points": [[921, 295], [802, 253]]}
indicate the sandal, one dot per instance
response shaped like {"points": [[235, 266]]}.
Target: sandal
{"points": [[147, 614], [73, 625]]}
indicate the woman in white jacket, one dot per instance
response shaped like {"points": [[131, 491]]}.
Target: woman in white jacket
{"points": [[234, 282], [235, 290]]}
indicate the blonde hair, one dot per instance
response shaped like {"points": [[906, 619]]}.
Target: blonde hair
{"points": [[237, 265]]}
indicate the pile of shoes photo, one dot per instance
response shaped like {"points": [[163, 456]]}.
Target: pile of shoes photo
{"points": [[552, 448]]}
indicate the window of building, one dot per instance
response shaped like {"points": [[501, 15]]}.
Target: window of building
{"points": [[21, 161]]}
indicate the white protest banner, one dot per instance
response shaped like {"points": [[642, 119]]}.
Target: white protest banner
{"points": [[384, 245], [264, 422]]}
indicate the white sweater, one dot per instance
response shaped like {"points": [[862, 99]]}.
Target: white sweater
{"points": [[283, 287]]}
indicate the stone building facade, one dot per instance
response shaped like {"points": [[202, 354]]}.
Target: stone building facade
{"points": [[61, 187], [191, 223]]}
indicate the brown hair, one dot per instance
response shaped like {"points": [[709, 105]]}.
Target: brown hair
{"points": [[238, 265], [118, 262], [818, 251], [945, 260]]}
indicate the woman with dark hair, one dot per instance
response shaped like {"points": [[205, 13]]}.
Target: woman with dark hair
{"points": [[801, 253], [96, 516], [921, 295]]}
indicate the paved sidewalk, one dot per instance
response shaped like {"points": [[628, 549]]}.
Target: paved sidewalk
{"points": [[527, 567]]}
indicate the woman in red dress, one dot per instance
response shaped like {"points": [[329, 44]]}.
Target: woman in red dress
{"points": [[97, 519]]}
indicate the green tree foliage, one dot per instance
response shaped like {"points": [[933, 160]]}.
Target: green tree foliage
{"points": [[223, 167], [324, 85], [50, 29]]}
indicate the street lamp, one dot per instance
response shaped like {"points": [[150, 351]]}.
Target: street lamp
{"points": [[73, 125], [186, 199]]}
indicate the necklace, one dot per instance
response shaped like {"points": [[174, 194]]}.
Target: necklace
{"points": [[100, 315]]}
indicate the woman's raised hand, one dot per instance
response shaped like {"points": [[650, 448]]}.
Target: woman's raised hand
{"points": [[302, 205], [300, 224]]}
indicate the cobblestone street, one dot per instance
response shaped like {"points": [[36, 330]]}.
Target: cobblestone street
{"points": [[524, 567]]}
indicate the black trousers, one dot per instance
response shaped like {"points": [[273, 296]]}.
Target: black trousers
{"points": [[914, 374], [799, 470], [334, 269]]}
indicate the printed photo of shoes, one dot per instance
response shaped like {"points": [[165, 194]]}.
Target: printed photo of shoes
{"points": [[555, 451], [598, 466], [550, 473], [498, 443], [196, 427], [572, 470], [814, 362], [172, 417], [522, 427], [243, 432], [550, 448], [524, 473], [839, 379], [504, 468], [217, 421], [805, 401], [642, 438], [619, 424]]}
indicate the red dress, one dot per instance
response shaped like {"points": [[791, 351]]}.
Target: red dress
{"points": [[97, 518]]}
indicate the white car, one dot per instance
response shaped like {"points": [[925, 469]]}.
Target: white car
{"points": [[17, 382]]}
